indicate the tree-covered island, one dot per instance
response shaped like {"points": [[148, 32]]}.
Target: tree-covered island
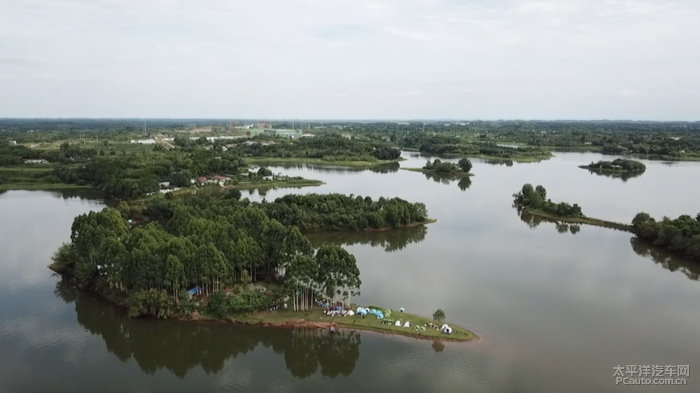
{"points": [[438, 167], [617, 165], [207, 257]]}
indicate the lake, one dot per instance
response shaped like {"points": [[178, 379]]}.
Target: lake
{"points": [[556, 307]]}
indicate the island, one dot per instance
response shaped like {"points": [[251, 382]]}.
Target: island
{"points": [[211, 257], [619, 165], [437, 167]]}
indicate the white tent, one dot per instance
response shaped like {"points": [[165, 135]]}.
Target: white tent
{"points": [[407, 324], [398, 323], [446, 329], [444, 326], [350, 313]]}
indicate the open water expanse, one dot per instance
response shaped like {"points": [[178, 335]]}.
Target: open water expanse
{"points": [[556, 307]]}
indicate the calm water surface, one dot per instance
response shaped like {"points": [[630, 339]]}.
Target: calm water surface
{"points": [[556, 307]]}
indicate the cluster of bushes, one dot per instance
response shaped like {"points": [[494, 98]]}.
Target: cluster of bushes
{"points": [[536, 198], [681, 235]]}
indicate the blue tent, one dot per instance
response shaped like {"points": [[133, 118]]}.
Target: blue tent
{"points": [[379, 314], [194, 291]]}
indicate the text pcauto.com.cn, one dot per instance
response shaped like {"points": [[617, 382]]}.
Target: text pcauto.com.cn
{"points": [[651, 375]]}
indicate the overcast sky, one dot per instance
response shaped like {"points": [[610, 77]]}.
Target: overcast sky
{"points": [[351, 59]]}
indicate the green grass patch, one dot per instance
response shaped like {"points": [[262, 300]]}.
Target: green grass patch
{"points": [[370, 322]]}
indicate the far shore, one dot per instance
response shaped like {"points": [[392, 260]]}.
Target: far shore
{"points": [[319, 161]]}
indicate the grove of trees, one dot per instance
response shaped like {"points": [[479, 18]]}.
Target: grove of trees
{"points": [[215, 242], [536, 198], [680, 235]]}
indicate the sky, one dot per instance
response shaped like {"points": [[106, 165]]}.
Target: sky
{"points": [[351, 59]]}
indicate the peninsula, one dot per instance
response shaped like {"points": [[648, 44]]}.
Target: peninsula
{"points": [[218, 258], [680, 236]]}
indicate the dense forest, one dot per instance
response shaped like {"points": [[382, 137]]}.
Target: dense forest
{"points": [[313, 212], [536, 198], [215, 242], [680, 235], [619, 164]]}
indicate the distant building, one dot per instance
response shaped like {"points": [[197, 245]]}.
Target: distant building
{"points": [[307, 135], [164, 184], [144, 141], [202, 179], [36, 162], [217, 128], [267, 178], [263, 126], [13, 142]]}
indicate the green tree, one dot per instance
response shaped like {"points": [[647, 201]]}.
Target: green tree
{"points": [[465, 165], [439, 316]]}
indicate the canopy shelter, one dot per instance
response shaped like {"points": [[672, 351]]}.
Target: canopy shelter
{"points": [[195, 291]]}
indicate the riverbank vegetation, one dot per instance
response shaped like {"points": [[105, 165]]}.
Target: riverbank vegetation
{"points": [[617, 165]]}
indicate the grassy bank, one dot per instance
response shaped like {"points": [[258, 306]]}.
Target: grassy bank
{"points": [[295, 183], [457, 174], [581, 220], [314, 318], [370, 322], [319, 161]]}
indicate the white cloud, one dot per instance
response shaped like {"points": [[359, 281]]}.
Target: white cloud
{"points": [[222, 59]]}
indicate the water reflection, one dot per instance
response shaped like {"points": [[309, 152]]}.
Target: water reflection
{"points": [[390, 241], [533, 221], [667, 260], [180, 347], [497, 162], [624, 176], [462, 182]]}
